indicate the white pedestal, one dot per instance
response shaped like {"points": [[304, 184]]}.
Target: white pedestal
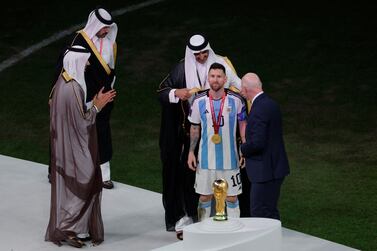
{"points": [[260, 234]]}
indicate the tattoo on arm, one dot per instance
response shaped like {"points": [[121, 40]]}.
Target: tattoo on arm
{"points": [[194, 136]]}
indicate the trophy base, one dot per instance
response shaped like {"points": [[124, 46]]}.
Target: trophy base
{"points": [[220, 217], [241, 234], [213, 226]]}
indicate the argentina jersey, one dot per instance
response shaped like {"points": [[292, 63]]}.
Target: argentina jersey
{"points": [[224, 155]]}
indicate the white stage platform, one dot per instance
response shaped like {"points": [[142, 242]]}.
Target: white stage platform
{"points": [[133, 217]]}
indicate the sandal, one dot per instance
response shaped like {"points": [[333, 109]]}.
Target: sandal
{"points": [[74, 242], [87, 238]]}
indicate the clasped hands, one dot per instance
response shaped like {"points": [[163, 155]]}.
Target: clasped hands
{"points": [[102, 98]]}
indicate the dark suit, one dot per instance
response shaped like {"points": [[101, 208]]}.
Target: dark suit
{"points": [[266, 159]]}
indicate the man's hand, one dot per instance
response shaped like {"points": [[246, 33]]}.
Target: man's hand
{"points": [[242, 158], [191, 161], [183, 94], [102, 98], [242, 162]]}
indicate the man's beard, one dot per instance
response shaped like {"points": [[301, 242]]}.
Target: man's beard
{"points": [[215, 87], [102, 35]]}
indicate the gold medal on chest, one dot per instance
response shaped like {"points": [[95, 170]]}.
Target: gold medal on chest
{"points": [[216, 138]]}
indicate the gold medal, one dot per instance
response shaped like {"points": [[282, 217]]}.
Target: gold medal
{"points": [[216, 138], [194, 90]]}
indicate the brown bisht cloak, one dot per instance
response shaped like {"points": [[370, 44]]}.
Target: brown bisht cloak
{"points": [[76, 181], [97, 75]]}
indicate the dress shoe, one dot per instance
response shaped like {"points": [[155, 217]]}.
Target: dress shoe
{"points": [[108, 184], [179, 235]]}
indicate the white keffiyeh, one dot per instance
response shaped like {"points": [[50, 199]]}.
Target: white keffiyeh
{"points": [[74, 63]]}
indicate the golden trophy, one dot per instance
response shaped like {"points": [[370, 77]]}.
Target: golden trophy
{"points": [[220, 188]]}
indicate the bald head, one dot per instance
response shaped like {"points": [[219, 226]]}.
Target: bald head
{"points": [[251, 80], [251, 85]]}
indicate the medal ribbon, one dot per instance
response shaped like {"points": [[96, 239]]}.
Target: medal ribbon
{"points": [[216, 122]]}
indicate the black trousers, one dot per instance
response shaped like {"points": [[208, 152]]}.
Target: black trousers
{"points": [[244, 197], [105, 146], [264, 198]]}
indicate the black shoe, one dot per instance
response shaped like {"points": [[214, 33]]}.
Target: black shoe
{"points": [[108, 184], [180, 235]]}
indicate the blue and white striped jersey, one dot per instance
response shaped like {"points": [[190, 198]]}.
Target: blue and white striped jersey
{"points": [[222, 156]]}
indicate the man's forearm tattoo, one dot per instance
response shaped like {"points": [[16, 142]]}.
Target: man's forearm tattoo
{"points": [[194, 136]]}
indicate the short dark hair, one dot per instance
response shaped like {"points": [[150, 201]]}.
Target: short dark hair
{"points": [[217, 66]]}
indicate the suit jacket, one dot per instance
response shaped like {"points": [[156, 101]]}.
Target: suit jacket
{"points": [[264, 150]]}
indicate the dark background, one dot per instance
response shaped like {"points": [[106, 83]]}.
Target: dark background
{"points": [[316, 59]]}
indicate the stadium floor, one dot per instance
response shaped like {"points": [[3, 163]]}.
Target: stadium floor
{"points": [[133, 217]]}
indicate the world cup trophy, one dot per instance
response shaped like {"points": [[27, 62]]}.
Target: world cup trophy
{"points": [[220, 188]]}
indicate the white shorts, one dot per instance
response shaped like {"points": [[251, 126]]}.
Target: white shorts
{"points": [[205, 177]]}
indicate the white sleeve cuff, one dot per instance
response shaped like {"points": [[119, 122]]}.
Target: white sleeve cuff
{"points": [[95, 107], [112, 83], [172, 97]]}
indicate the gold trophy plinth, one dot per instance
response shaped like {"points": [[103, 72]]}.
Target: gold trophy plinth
{"points": [[220, 188]]}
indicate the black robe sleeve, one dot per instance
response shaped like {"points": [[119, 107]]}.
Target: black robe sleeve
{"points": [[174, 80], [171, 131]]}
